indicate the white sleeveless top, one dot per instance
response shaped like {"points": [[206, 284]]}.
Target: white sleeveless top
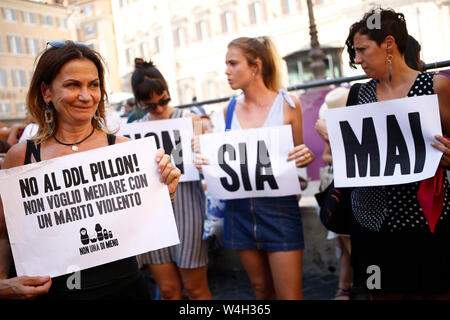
{"points": [[276, 114]]}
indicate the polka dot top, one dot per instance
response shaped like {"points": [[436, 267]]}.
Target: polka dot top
{"points": [[394, 208]]}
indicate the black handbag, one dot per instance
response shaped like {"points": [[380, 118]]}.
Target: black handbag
{"points": [[335, 203], [336, 209]]}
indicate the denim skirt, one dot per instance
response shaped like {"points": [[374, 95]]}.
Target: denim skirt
{"points": [[269, 223]]}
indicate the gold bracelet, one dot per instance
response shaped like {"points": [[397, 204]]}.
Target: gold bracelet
{"points": [[172, 195]]}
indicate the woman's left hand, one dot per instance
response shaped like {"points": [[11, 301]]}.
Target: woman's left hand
{"points": [[443, 146], [302, 155], [170, 174]]}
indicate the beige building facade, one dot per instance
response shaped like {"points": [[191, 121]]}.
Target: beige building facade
{"points": [[188, 40], [93, 23], [25, 28]]}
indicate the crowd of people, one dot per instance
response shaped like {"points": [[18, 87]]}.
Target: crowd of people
{"points": [[66, 100]]}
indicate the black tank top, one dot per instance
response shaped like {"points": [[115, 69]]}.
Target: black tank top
{"points": [[96, 282]]}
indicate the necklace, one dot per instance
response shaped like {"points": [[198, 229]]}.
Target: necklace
{"points": [[74, 145]]}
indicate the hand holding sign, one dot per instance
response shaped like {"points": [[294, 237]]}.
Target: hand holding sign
{"points": [[24, 287], [302, 155], [444, 146], [169, 173], [385, 143]]}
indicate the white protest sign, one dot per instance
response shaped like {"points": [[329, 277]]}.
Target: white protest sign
{"points": [[86, 209], [174, 135], [384, 143], [250, 163]]}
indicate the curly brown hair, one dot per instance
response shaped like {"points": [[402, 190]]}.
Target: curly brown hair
{"points": [[391, 24]]}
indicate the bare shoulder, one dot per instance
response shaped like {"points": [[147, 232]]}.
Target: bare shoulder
{"points": [[15, 156], [298, 106], [441, 84], [296, 100], [120, 139]]}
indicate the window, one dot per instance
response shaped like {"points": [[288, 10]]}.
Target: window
{"points": [[21, 107], [299, 65], [157, 44], [87, 10], [89, 29], [256, 12], [29, 17], [9, 14], [143, 49], [14, 44], [18, 78], [129, 56], [32, 45], [179, 37], [289, 6], [227, 22], [62, 23], [3, 78], [5, 107], [46, 20], [202, 31]]}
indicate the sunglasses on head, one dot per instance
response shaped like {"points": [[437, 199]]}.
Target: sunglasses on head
{"points": [[153, 106], [60, 44]]}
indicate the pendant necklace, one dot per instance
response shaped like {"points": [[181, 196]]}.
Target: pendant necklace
{"points": [[75, 145]]}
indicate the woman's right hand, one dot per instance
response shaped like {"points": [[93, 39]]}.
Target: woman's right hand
{"points": [[24, 287]]}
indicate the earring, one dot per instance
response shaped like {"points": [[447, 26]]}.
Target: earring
{"points": [[97, 115], [389, 59], [253, 73], [97, 119], [48, 114]]}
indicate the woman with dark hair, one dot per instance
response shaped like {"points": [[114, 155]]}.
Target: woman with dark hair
{"points": [[393, 235], [183, 265], [412, 54], [67, 99]]}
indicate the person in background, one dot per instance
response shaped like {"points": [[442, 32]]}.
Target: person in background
{"points": [[128, 106], [67, 99], [182, 266], [412, 55], [335, 99]]}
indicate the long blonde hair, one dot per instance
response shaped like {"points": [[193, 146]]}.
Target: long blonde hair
{"points": [[264, 49]]}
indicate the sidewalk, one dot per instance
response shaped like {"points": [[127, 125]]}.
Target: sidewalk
{"points": [[234, 285], [228, 280]]}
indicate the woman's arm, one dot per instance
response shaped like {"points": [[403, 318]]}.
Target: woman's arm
{"points": [[442, 89], [18, 287], [301, 153]]}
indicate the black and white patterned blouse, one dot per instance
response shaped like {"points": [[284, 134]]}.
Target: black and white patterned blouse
{"points": [[394, 208]]}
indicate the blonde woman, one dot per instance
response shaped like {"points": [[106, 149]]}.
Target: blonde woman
{"points": [[266, 232]]}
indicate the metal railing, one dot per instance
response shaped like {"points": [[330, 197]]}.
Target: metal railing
{"points": [[313, 84]]}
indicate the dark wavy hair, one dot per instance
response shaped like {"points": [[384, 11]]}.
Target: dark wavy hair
{"points": [[391, 24], [146, 80]]}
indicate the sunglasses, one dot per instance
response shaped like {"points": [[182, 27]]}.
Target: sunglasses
{"points": [[60, 44], [153, 106]]}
